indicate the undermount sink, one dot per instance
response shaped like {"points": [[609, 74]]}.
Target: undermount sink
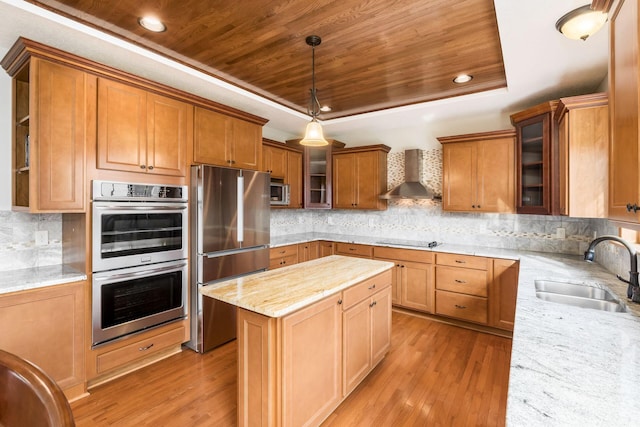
{"points": [[579, 295]]}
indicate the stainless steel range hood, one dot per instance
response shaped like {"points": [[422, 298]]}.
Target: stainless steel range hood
{"points": [[411, 188]]}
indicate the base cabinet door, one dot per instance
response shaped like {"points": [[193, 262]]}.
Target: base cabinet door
{"points": [[380, 325], [46, 327], [503, 292], [311, 363], [416, 286]]}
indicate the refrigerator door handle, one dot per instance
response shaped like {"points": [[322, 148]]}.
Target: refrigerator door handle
{"points": [[240, 210]]}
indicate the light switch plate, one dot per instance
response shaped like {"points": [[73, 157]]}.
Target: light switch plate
{"points": [[42, 237], [561, 233]]}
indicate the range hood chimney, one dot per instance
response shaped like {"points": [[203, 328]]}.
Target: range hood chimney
{"points": [[411, 188]]}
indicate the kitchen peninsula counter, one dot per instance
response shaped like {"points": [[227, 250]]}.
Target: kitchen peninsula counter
{"points": [[308, 334]]}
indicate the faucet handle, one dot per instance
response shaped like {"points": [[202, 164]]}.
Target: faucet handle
{"points": [[629, 288]]}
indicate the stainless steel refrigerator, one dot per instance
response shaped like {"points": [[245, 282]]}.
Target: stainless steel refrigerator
{"points": [[229, 215]]}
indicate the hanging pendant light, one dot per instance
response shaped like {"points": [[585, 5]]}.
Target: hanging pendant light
{"points": [[313, 136]]}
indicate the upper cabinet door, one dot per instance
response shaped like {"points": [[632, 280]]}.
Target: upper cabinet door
{"points": [[495, 176], [344, 181], [122, 127], [624, 72], [458, 161], [246, 143], [170, 132]]}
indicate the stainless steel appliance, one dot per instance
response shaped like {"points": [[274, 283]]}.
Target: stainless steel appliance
{"points": [[140, 248], [230, 238], [279, 194]]}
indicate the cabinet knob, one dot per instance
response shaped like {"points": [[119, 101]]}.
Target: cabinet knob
{"points": [[372, 286], [143, 166], [473, 206], [479, 206], [633, 207], [150, 168], [460, 306], [229, 161], [233, 162], [372, 304], [340, 301]]}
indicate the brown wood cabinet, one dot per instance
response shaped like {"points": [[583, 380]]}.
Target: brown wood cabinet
{"points": [[537, 160], [366, 335], [479, 172], [461, 283], [412, 284], [46, 326], [285, 165], [308, 251], [139, 131], [360, 177], [223, 140], [583, 146], [503, 292], [624, 95], [325, 248], [52, 118], [283, 256]]}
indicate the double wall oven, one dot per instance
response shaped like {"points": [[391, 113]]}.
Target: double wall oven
{"points": [[140, 249]]}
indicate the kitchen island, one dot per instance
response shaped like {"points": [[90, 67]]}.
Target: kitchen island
{"points": [[308, 334]]}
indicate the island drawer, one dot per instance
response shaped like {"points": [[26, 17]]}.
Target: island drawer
{"points": [[403, 254], [463, 280], [353, 249], [138, 349], [460, 306], [365, 289], [466, 261]]}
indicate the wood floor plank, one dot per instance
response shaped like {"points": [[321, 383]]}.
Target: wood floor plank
{"points": [[435, 374]]}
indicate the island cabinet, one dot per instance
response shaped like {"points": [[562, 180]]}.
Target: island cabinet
{"points": [[412, 280], [461, 283], [624, 108], [223, 140], [537, 160], [306, 338], [52, 106], [46, 326], [503, 292], [140, 131], [284, 163], [479, 172], [283, 256], [583, 147], [360, 177]]}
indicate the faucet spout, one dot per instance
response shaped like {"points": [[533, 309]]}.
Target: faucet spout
{"points": [[633, 290]]}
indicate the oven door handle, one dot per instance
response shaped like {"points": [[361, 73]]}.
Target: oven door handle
{"points": [[143, 208], [114, 277]]}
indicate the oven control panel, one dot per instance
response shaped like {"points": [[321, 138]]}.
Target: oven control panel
{"points": [[110, 190]]}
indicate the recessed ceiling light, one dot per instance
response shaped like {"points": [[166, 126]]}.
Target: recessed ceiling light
{"points": [[325, 108], [152, 24], [462, 78]]}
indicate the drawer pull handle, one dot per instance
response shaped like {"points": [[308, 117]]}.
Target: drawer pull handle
{"points": [[352, 249], [460, 281], [459, 261], [460, 306], [283, 252], [372, 304], [145, 348], [372, 286]]}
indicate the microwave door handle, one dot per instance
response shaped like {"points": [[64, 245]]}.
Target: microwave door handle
{"points": [[240, 209], [140, 273]]}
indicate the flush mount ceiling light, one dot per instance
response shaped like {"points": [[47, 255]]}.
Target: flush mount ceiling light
{"points": [[313, 135], [581, 23], [463, 78], [152, 24]]}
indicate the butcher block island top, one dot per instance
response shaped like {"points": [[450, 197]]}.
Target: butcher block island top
{"points": [[277, 293], [308, 334]]}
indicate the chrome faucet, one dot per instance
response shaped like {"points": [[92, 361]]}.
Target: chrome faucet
{"points": [[633, 290]]}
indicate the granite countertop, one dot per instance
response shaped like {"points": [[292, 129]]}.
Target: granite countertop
{"points": [[570, 366], [38, 277], [278, 292]]}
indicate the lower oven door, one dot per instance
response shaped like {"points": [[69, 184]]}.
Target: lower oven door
{"points": [[132, 299]]}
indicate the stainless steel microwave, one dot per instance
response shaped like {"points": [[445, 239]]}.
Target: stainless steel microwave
{"points": [[279, 194]]}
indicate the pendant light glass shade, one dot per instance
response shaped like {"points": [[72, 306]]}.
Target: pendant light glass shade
{"points": [[581, 23], [313, 136]]}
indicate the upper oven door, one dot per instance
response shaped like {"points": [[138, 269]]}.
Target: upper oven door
{"points": [[136, 233]]}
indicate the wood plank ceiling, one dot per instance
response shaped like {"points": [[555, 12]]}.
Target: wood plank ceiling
{"points": [[375, 54]]}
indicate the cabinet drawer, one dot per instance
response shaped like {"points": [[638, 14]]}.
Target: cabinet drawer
{"points": [[283, 251], [139, 349], [403, 254], [467, 261], [353, 249], [283, 261], [365, 289], [464, 307], [462, 280]]}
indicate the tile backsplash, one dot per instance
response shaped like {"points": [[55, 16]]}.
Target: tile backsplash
{"points": [[17, 240]]}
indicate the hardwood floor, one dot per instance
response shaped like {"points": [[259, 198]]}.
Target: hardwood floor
{"points": [[435, 374]]}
